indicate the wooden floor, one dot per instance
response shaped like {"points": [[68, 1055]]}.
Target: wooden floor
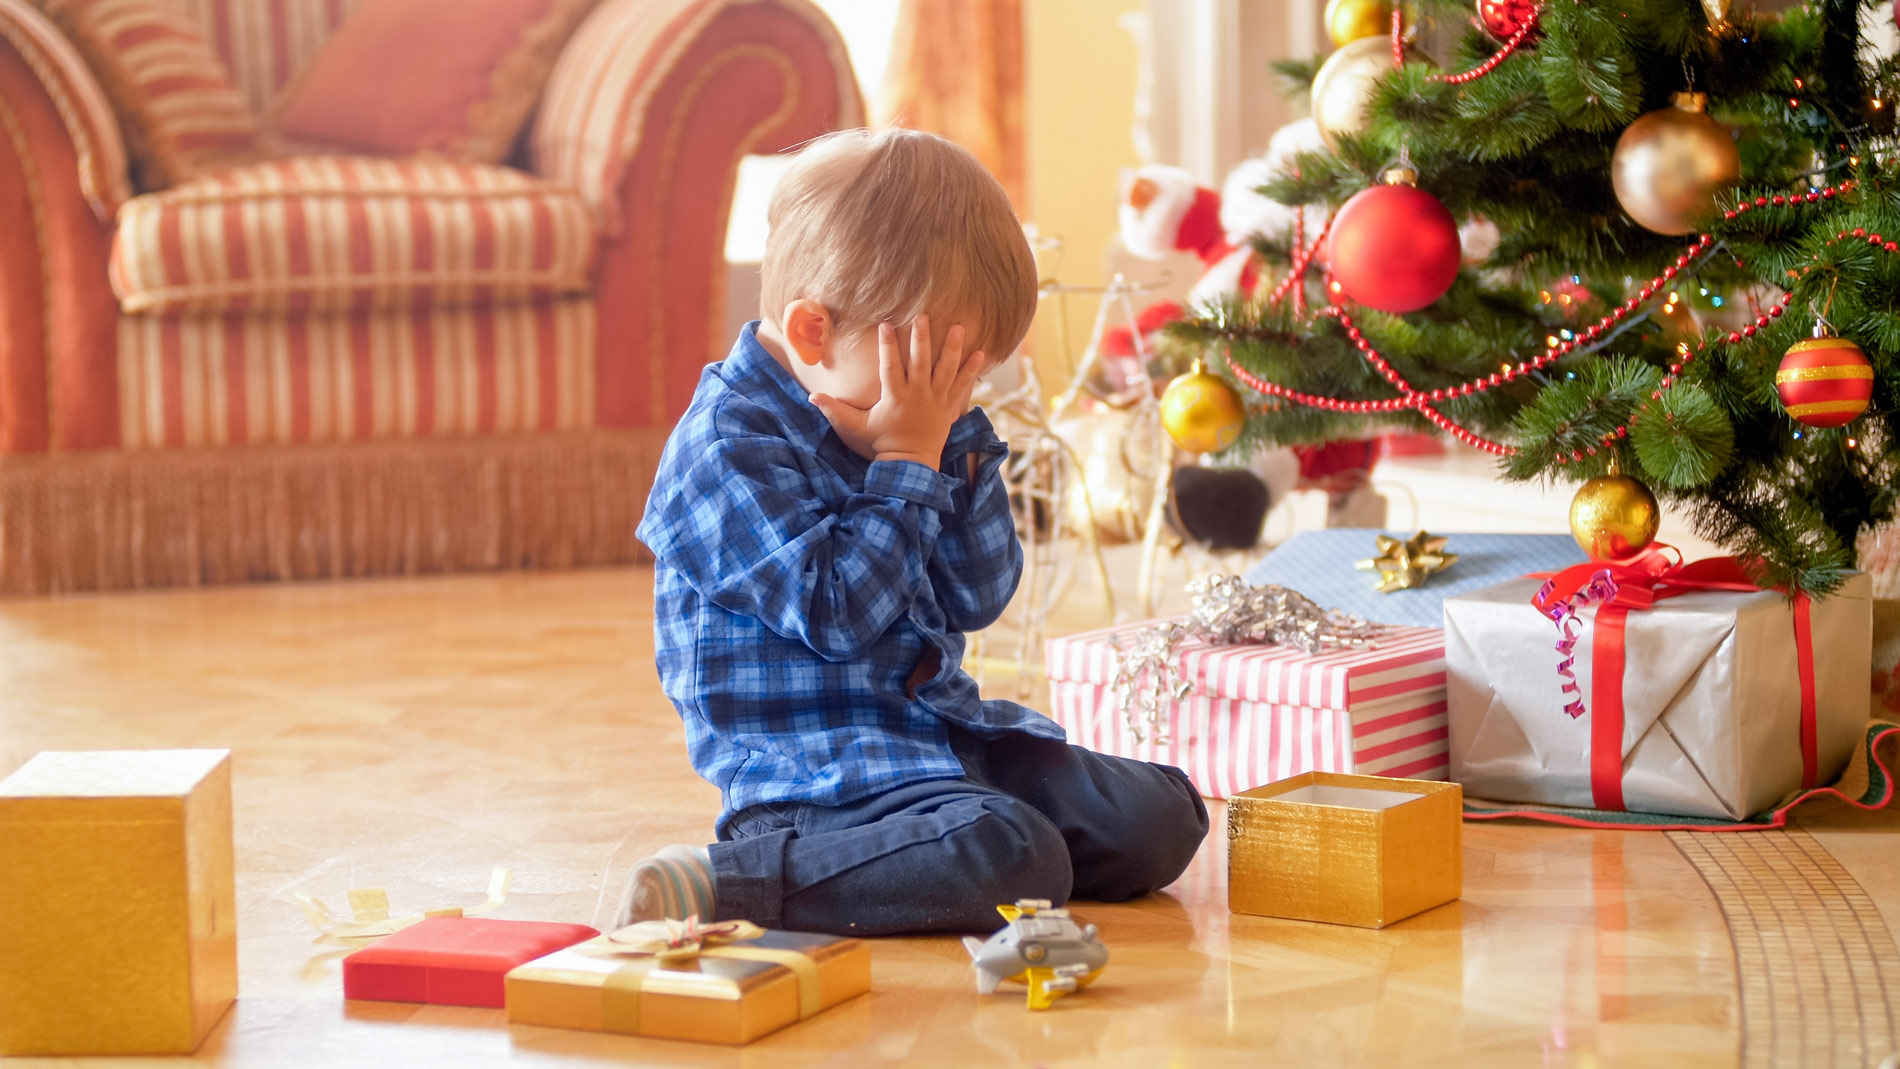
{"points": [[412, 735]]}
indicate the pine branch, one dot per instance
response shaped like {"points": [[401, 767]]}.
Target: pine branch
{"points": [[1296, 75]]}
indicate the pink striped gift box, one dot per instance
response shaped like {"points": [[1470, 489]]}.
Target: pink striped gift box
{"points": [[1259, 713]]}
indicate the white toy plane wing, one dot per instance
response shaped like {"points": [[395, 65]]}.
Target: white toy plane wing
{"points": [[986, 980]]}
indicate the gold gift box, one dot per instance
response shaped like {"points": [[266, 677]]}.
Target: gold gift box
{"points": [[118, 902], [728, 994], [1360, 850]]}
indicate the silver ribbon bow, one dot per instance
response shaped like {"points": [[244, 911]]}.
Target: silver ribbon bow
{"points": [[1227, 611]]}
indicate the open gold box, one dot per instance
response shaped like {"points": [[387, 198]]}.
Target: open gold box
{"points": [[1360, 850]]}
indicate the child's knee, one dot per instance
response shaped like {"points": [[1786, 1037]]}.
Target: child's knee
{"points": [[1178, 825], [1012, 851], [1161, 829]]}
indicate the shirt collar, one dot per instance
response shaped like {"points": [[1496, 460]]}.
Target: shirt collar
{"points": [[772, 385]]}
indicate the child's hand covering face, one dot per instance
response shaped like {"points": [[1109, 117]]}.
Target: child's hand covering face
{"points": [[921, 395]]}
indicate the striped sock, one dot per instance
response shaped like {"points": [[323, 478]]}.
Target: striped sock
{"points": [[675, 883]]}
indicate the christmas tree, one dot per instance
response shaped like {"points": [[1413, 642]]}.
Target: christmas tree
{"points": [[1586, 342]]}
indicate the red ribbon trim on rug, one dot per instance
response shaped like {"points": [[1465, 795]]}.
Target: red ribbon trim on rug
{"points": [[1636, 585], [1879, 774]]}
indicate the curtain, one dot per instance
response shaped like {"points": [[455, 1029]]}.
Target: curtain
{"points": [[956, 69]]}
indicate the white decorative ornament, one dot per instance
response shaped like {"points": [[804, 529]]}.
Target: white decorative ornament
{"points": [[1479, 238]]}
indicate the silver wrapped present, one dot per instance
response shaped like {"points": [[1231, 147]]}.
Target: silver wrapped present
{"points": [[1712, 695]]}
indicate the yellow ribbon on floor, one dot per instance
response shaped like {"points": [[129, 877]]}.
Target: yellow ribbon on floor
{"points": [[369, 910]]}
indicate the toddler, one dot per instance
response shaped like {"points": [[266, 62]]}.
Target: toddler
{"points": [[828, 519]]}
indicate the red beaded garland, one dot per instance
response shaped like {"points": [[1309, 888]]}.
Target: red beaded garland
{"points": [[1504, 18], [1302, 261], [1412, 399], [1524, 28]]}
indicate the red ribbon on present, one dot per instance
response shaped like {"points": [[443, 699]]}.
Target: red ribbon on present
{"points": [[1635, 585]]}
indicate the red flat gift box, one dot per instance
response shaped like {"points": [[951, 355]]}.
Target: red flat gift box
{"points": [[452, 961]]}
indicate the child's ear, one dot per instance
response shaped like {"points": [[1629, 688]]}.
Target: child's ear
{"points": [[808, 329]]}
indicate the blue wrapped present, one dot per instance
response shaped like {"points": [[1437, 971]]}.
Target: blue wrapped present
{"points": [[1320, 564]]}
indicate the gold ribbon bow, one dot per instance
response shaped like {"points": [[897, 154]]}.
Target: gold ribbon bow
{"points": [[1407, 564], [674, 941], [656, 945], [369, 910]]}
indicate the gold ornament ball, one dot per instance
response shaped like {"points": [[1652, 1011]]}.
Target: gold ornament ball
{"points": [[1614, 517], [1349, 20], [1342, 90], [1201, 412], [1670, 163]]}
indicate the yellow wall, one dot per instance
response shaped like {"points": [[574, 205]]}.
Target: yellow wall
{"points": [[1080, 94]]}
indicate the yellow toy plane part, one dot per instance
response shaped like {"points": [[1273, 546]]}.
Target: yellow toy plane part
{"points": [[1041, 948]]}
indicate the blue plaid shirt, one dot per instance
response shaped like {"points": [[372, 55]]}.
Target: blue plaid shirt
{"points": [[798, 586]]}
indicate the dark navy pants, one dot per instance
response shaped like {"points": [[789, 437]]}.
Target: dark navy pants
{"points": [[1031, 818]]}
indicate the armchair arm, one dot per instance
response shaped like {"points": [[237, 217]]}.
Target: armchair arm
{"points": [[649, 110], [78, 99], [62, 177]]}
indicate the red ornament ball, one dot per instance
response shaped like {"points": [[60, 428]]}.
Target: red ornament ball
{"points": [[1825, 382], [1394, 248], [1503, 18]]}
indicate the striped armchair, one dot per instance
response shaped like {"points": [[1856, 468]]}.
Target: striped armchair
{"points": [[333, 366]]}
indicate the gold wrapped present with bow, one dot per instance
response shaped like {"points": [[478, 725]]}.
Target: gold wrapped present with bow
{"points": [[730, 982]]}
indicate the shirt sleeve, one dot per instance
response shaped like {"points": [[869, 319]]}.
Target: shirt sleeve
{"points": [[978, 560], [745, 528]]}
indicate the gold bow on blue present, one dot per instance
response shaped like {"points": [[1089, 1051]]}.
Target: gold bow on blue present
{"points": [[1407, 564]]}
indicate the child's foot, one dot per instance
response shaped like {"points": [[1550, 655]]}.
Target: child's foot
{"points": [[675, 883]]}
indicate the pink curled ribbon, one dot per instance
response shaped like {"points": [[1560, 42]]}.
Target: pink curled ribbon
{"points": [[1601, 587]]}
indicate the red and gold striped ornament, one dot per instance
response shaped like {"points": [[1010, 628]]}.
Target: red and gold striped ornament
{"points": [[1825, 381]]}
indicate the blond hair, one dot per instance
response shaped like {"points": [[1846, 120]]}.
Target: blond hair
{"points": [[880, 227]]}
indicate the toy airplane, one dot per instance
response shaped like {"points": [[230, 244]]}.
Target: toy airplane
{"points": [[1041, 947]]}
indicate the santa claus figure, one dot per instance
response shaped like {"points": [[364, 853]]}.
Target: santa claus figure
{"points": [[1164, 211]]}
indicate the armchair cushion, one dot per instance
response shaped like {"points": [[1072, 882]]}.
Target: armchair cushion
{"points": [[321, 233], [175, 100], [465, 95]]}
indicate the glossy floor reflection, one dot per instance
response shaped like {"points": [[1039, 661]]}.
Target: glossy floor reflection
{"points": [[412, 735]]}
